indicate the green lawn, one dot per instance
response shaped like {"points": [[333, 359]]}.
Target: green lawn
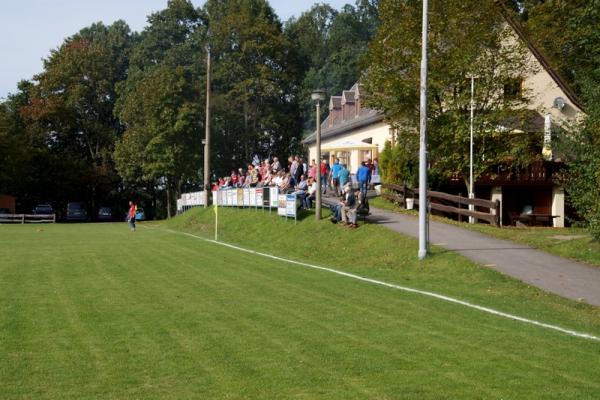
{"points": [[92, 311], [574, 243]]}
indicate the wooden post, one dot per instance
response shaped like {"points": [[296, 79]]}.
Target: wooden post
{"points": [[459, 208], [497, 211]]}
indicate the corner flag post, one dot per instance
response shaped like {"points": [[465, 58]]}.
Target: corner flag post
{"points": [[216, 219]]}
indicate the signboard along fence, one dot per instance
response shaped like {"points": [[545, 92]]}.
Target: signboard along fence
{"points": [[190, 200], [264, 198]]}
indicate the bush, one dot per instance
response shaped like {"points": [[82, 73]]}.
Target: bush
{"points": [[398, 165], [581, 149]]}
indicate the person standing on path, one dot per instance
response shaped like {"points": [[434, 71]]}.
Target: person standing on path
{"points": [[344, 177], [131, 215], [335, 177], [324, 173], [363, 176]]}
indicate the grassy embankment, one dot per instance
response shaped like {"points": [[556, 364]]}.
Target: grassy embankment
{"points": [[95, 311]]}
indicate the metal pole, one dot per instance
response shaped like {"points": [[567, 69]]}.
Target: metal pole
{"points": [[471, 194], [207, 137], [318, 197], [423, 242]]}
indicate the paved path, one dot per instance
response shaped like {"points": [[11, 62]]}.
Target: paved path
{"points": [[554, 274]]}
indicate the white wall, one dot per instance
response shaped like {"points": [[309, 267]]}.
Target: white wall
{"points": [[379, 133]]}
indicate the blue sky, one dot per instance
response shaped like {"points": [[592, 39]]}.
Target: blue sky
{"points": [[29, 29]]}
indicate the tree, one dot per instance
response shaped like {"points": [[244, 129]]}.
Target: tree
{"points": [[580, 147], [161, 112], [329, 44], [466, 37], [254, 86], [568, 33], [70, 105], [160, 103]]}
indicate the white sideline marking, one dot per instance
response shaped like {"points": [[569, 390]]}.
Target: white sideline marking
{"points": [[403, 288]]}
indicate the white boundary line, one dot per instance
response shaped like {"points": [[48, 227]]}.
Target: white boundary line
{"points": [[403, 288]]}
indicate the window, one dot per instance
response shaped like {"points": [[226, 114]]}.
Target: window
{"points": [[513, 89]]}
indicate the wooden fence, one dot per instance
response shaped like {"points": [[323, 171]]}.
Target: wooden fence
{"points": [[27, 218], [447, 203]]}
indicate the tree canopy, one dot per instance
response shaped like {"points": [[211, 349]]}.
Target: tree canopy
{"points": [[466, 38], [117, 114]]}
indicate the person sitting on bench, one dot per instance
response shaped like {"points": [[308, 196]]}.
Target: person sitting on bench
{"points": [[349, 208]]}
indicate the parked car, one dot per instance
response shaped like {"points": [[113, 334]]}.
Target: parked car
{"points": [[43, 209], [140, 215], [106, 214], [77, 211]]}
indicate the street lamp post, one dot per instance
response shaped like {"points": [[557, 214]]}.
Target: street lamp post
{"points": [[318, 96]]}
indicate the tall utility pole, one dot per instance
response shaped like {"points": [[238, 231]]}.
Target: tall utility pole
{"points": [[207, 133], [423, 221], [471, 193]]}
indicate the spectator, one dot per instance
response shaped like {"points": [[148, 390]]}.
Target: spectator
{"points": [[285, 183], [267, 179], [304, 166], [254, 178], [375, 177], [312, 171], [276, 167], [301, 190], [299, 171], [312, 192], [363, 176], [293, 167], [344, 177], [323, 168], [234, 178], [327, 172], [335, 177], [349, 208], [278, 179]]}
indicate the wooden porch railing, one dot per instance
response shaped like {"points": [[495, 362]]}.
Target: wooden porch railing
{"points": [[439, 201]]}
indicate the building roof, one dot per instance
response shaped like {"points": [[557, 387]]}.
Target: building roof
{"points": [[518, 28], [366, 117]]}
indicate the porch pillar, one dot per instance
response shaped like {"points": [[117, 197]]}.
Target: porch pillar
{"points": [[558, 206], [497, 195]]}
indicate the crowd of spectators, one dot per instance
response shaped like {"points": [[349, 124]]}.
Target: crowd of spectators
{"points": [[299, 178]]}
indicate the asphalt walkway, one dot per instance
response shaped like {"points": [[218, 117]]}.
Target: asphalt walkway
{"points": [[567, 278]]}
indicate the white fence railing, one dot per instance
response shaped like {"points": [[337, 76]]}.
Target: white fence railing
{"points": [[189, 200], [27, 218]]}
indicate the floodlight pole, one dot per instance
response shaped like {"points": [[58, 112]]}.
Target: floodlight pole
{"points": [[471, 193], [423, 203], [207, 133]]}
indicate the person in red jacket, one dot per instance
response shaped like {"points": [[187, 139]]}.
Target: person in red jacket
{"points": [[131, 215]]}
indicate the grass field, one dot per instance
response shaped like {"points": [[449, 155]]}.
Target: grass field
{"points": [[93, 311], [574, 243]]}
